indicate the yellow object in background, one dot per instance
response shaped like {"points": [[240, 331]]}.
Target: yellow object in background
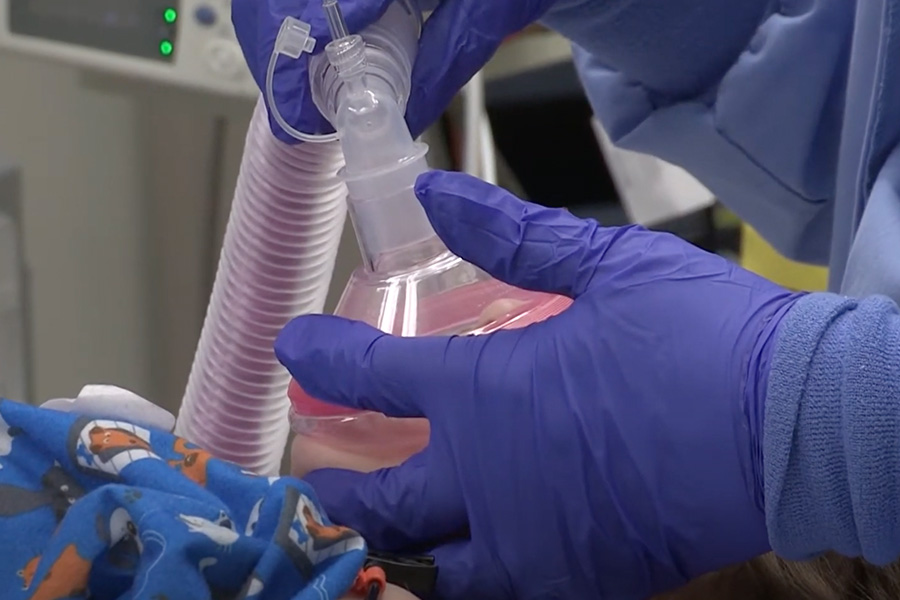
{"points": [[758, 256]]}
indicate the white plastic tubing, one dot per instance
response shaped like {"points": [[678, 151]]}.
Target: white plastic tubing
{"points": [[276, 263]]}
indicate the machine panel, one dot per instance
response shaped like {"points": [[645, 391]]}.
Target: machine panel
{"points": [[143, 28], [188, 43]]}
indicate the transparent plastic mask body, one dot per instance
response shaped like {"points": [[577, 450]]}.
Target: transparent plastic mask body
{"points": [[410, 284]]}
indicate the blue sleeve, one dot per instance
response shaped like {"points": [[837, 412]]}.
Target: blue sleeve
{"points": [[831, 441], [747, 95], [873, 264]]}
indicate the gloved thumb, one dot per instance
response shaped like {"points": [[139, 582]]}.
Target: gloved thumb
{"points": [[523, 244], [416, 504], [355, 365], [466, 571]]}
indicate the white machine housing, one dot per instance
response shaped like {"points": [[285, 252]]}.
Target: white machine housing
{"points": [[124, 37]]}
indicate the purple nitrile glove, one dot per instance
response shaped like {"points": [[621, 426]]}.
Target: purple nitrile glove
{"points": [[612, 451]]}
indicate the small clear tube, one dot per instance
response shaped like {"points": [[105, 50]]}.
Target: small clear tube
{"points": [[336, 24], [292, 41]]}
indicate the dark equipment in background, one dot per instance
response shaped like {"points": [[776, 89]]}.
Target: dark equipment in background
{"points": [[542, 128]]}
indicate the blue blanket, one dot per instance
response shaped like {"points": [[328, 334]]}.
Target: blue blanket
{"points": [[105, 509]]}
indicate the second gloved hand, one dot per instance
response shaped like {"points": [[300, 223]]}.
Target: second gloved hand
{"points": [[610, 452], [457, 40]]}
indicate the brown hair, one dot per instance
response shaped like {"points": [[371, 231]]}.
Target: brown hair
{"points": [[768, 577]]}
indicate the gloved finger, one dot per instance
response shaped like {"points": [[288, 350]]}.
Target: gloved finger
{"points": [[518, 242], [464, 572], [355, 365], [457, 41], [414, 505], [249, 25]]}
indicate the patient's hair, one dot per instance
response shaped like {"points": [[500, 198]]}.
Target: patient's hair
{"points": [[830, 577]]}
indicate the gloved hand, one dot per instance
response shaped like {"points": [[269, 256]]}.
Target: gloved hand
{"points": [[457, 40], [612, 451]]}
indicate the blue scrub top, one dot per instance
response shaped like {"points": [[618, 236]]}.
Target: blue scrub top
{"points": [[788, 111]]}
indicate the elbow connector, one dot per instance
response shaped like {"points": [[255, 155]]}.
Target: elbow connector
{"points": [[381, 58]]}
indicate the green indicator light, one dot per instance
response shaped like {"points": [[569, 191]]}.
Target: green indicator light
{"points": [[170, 15], [166, 48]]}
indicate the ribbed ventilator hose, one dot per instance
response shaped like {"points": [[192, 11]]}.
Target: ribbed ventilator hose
{"points": [[276, 263]]}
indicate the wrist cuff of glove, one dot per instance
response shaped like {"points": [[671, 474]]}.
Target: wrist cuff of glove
{"points": [[756, 387]]}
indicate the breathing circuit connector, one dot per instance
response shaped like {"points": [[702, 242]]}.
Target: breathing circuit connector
{"points": [[347, 56], [362, 90], [346, 53]]}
